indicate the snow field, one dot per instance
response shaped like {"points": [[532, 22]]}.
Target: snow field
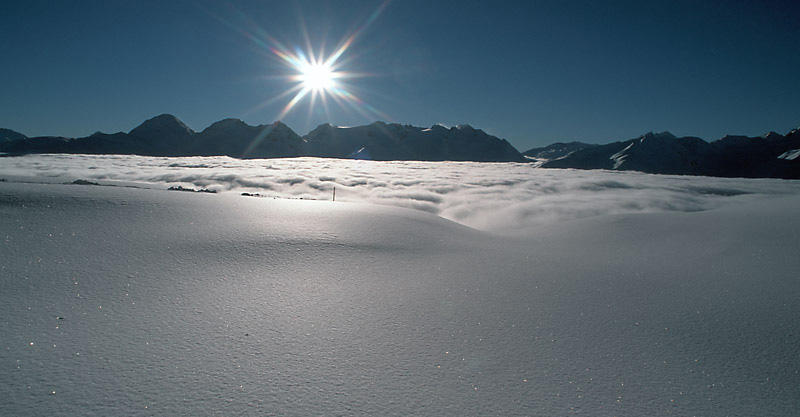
{"points": [[120, 301]]}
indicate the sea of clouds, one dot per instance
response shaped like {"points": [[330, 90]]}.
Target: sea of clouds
{"points": [[497, 197]]}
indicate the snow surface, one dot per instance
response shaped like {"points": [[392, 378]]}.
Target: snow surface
{"points": [[619, 157], [132, 301], [790, 155], [497, 197]]}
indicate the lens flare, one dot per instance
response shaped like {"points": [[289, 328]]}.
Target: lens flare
{"points": [[318, 77], [312, 74]]}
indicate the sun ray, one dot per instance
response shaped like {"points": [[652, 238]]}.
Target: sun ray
{"points": [[315, 75], [294, 101]]}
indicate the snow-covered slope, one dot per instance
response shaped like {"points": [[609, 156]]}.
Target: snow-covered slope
{"points": [[790, 155], [119, 301]]}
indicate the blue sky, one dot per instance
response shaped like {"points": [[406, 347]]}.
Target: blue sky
{"points": [[532, 72]]}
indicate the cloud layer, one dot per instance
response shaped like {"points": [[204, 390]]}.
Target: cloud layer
{"points": [[498, 197]]}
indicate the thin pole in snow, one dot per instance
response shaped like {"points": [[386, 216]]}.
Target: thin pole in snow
{"points": [[334, 193]]}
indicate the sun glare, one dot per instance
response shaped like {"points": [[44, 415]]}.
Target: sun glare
{"points": [[317, 77]]}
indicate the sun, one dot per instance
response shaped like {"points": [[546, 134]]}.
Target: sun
{"points": [[317, 77]]}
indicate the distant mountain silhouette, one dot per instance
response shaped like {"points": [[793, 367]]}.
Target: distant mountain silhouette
{"points": [[770, 155], [382, 141], [162, 135], [8, 135], [165, 135], [233, 137]]}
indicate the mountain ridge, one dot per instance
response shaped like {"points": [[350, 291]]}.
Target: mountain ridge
{"points": [[166, 135], [769, 155], [765, 156], [8, 135]]}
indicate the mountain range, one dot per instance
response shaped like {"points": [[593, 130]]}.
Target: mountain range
{"points": [[770, 155], [165, 135]]}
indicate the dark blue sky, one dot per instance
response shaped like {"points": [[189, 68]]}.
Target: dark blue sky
{"points": [[532, 72]]}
